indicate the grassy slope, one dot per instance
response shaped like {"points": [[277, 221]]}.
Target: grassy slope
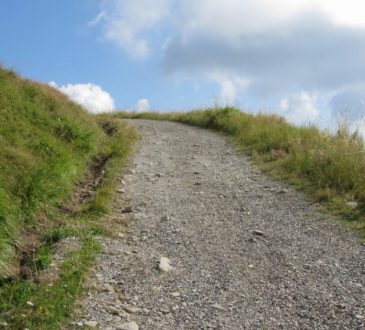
{"points": [[330, 167], [47, 142]]}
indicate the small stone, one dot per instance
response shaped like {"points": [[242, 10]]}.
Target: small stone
{"points": [[124, 315], [217, 306], [121, 191], [258, 232], [79, 324], [109, 288], [121, 235], [352, 205], [164, 265], [165, 310], [127, 209], [129, 326], [244, 209], [359, 317], [91, 324], [29, 303], [283, 191], [112, 310], [131, 310], [251, 266], [165, 218], [175, 294], [132, 172]]}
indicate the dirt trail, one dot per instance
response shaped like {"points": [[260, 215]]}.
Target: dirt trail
{"points": [[246, 252]]}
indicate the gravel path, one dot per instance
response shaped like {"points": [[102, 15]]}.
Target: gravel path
{"points": [[246, 252]]}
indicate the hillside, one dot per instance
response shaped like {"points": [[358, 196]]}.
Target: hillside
{"points": [[57, 169]]}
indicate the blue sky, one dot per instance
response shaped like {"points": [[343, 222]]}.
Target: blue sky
{"points": [[303, 59]]}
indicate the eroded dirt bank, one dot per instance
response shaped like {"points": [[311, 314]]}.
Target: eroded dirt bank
{"points": [[246, 252]]}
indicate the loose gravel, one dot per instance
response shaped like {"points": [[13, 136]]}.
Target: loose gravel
{"points": [[215, 244]]}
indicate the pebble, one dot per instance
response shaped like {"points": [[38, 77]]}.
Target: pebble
{"points": [[91, 324], [352, 205], [131, 309], [112, 310], [165, 265], [165, 218], [128, 326], [258, 232], [127, 209], [217, 306]]}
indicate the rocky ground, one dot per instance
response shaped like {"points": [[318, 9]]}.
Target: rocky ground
{"points": [[215, 244]]}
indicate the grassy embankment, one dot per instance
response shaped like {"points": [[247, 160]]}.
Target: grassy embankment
{"points": [[48, 143], [330, 167]]}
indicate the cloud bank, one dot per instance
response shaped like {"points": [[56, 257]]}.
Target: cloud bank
{"points": [[268, 50], [92, 97]]}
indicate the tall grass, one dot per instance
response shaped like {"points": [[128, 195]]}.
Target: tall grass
{"points": [[46, 141], [47, 144], [331, 167]]}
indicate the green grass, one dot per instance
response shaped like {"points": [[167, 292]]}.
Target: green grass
{"points": [[329, 167], [47, 144]]}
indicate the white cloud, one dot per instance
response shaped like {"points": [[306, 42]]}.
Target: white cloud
{"points": [[349, 12], [358, 126], [143, 106], [94, 22], [265, 47], [92, 97], [52, 84], [300, 109], [230, 18], [230, 86], [128, 23], [278, 46]]}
